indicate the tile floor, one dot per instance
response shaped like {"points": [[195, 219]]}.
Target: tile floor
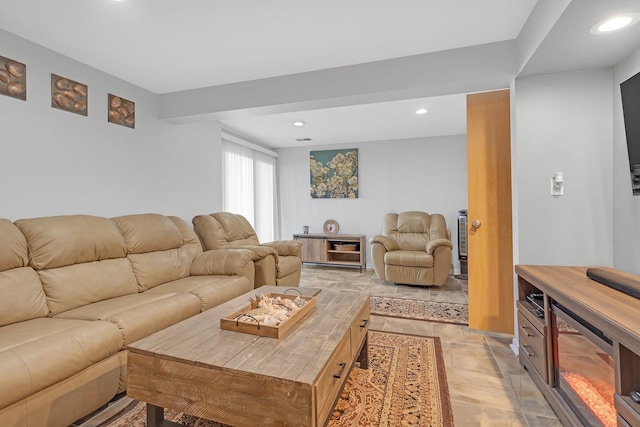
{"points": [[487, 384]]}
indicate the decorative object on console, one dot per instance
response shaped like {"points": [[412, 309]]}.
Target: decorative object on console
{"points": [[331, 227], [13, 78], [69, 95], [345, 247], [122, 111], [334, 174], [616, 279]]}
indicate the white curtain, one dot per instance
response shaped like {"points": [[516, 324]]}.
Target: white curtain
{"points": [[250, 187]]}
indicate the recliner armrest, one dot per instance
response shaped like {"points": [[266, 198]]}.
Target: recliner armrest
{"points": [[388, 243], [226, 262], [286, 247], [260, 251], [433, 244]]}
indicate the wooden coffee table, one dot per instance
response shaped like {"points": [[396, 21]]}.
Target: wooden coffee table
{"points": [[247, 380]]}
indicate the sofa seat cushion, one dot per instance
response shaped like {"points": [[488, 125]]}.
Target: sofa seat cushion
{"points": [[409, 275], [139, 315], [38, 353], [211, 290], [288, 265], [409, 259]]}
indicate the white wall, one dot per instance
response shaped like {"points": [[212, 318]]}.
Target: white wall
{"points": [[192, 170], [626, 213], [564, 124], [428, 174], [53, 162]]}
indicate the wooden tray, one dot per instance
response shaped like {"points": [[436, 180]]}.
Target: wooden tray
{"points": [[230, 323]]}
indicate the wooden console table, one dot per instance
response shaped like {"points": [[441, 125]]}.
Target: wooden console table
{"points": [[615, 314], [326, 249]]}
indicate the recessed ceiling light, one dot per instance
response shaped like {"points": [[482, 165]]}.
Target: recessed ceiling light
{"points": [[615, 23], [298, 123], [421, 111]]}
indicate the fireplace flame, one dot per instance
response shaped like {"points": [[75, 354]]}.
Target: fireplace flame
{"points": [[597, 396]]}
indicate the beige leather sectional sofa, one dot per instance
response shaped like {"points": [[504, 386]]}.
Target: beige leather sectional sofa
{"points": [[76, 290]]}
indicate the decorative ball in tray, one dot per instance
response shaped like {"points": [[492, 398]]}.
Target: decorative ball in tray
{"points": [[270, 315]]}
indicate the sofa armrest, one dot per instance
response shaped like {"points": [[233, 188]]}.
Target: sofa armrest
{"points": [[226, 262], [259, 252], [433, 244], [388, 243], [286, 247]]}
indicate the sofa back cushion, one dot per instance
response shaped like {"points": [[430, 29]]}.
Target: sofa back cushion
{"points": [[412, 230], [224, 230], [161, 248], [21, 294], [80, 259], [59, 241]]}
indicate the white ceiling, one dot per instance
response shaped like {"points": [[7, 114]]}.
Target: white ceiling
{"points": [[369, 122], [169, 45]]}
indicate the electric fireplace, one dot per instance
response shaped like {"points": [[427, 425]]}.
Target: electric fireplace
{"points": [[579, 339], [584, 368]]}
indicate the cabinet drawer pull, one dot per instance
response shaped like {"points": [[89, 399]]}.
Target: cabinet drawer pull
{"points": [[526, 331], [364, 323], [341, 371], [526, 352]]}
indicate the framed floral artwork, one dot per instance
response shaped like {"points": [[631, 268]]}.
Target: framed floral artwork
{"points": [[334, 174]]}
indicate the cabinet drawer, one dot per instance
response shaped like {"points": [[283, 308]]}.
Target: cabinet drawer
{"points": [[359, 329], [527, 310], [532, 345], [627, 411], [622, 422], [332, 379]]}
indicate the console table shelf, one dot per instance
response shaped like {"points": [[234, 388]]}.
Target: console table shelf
{"points": [[547, 295], [321, 249]]}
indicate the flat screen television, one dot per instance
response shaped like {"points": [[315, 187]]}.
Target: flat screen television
{"points": [[630, 91]]}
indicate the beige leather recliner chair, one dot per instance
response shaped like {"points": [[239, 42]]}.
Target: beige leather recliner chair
{"points": [[276, 263], [414, 249]]}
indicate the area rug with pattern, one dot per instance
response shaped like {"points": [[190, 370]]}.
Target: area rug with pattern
{"points": [[405, 385], [433, 311]]}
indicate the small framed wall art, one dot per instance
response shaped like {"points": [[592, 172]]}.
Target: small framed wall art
{"points": [[13, 78], [69, 95], [122, 111]]}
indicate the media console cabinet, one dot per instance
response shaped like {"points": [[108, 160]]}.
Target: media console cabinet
{"points": [[335, 249], [572, 330]]}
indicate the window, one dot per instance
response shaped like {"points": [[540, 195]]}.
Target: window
{"points": [[249, 185]]}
